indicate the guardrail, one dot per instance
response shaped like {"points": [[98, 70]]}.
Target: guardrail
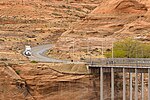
{"points": [[119, 61]]}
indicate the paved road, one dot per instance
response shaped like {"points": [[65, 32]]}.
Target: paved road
{"points": [[38, 54]]}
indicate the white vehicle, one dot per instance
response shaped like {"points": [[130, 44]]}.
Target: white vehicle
{"points": [[27, 51]]}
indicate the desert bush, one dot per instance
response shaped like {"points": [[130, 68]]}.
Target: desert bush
{"points": [[18, 72], [34, 61], [1, 40], [31, 36], [3, 59], [56, 14]]}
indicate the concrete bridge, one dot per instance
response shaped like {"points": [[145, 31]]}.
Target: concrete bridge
{"points": [[137, 66]]}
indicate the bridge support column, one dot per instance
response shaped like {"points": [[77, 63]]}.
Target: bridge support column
{"points": [[136, 84], [112, 83], [130, 86], [148, 84], [101, 83], [124, 85], [142, 94]]}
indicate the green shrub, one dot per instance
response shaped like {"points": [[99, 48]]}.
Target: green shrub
{"points": [[129, 48], [34, 61], [18, 72]]}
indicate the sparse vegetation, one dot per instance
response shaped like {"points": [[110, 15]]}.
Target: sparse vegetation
{"points": [[18, 72], [34, 62], [130, 48], [3, 59], [2, 40], [31, 36], [56, 14]]}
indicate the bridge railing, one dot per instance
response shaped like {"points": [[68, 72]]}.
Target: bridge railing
{"points": [[120, 61]]}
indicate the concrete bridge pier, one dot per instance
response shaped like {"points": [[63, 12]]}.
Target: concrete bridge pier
{"points": [[131, 85], [124, 84], [136, 84], [142, 91], [149, 84], [101, 83], [112, 83]]}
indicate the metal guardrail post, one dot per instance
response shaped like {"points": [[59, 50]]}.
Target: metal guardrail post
{"points": [[136, 62]]}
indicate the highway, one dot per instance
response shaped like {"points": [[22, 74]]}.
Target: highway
{"points": [[38, 54]]}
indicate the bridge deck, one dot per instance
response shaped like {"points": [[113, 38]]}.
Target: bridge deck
{"points": [[119, 66], [120, 62]]}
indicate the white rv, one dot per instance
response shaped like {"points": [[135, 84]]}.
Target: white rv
{"points": [[27, 51]]}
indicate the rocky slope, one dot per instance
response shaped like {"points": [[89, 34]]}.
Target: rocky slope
{"points": [[84, 24], [33, 22], [111, 20], [113, 17]]}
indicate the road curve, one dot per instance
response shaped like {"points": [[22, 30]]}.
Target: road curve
{"points": [[38, 54]]}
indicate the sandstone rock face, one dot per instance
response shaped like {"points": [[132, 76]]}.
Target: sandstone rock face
{"points": [[120, 6], [115, 15]]}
